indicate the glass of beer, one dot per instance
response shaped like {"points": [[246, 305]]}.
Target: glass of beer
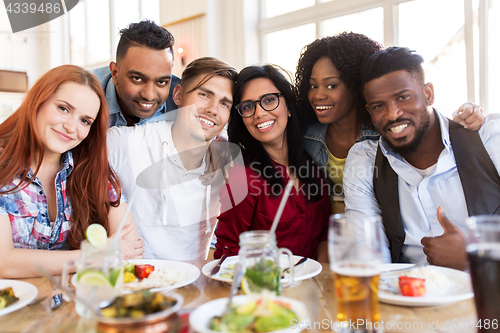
{"points": [[354, 248], [483, 251]]}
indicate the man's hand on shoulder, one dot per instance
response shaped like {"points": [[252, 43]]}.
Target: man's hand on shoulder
{"points": [[447, 250], [218, 162], [470, 116]]}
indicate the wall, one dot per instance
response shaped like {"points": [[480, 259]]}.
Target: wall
{"points": [[29, 50], [24, 51], [217, 28]]}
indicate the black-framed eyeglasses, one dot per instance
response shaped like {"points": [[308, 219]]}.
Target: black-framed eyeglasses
{"points": [[268, 102]]}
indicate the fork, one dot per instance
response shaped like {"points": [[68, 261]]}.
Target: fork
{"points": [[298, 263], [238, 275]]}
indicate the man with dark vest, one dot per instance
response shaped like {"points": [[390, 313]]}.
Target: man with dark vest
{"points": [[423, 166]]}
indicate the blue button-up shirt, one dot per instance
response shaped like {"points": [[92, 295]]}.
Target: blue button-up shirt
{"points": [[116, 117], [419, 196]]}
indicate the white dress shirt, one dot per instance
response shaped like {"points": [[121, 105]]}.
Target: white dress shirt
{"points": [[419, 195]]}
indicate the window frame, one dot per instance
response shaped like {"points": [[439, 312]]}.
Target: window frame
{"points": [[327, 10], [113, 36]]}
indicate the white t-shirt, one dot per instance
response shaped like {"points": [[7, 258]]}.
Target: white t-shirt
{"points": [[174, 212]]}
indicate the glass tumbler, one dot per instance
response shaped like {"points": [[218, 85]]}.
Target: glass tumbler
{"points": [[355, 260], [483, 251]]}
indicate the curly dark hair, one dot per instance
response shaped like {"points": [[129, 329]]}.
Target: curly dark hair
{"points": [[347, 52], [145, 33]]}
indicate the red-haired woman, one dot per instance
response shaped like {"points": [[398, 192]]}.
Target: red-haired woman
{"points": [[55, 179]]}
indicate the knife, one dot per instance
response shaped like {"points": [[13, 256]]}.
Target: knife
{"points": [[216, 268]]}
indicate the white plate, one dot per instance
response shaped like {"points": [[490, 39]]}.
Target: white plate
{"points": [[192, 271], [26, 292], [150, 318], [460, 290], [306, 270], [199, 319]]}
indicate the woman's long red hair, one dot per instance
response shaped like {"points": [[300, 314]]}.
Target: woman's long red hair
{"points": [[87, 186]]}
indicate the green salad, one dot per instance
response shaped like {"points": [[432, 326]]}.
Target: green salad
{"points": [[255, 316], [265, 275]]}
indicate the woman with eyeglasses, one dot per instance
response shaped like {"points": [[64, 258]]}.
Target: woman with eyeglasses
{"points": [[331, 103], [265, 125]]}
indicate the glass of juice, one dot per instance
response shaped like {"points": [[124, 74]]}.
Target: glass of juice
{"points": [[355, 261], [483, 251], [99, 276]]}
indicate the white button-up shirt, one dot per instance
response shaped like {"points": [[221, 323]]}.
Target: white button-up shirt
{"points": [[419, 196]]}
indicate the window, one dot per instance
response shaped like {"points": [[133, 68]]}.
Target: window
{"points": [[283, 47], [369, 22], [150, 9], [126, 11], [493, 50], [99, 45], [279, 7], [77, 34], [92, 18], [436, 29], [443, 52]]}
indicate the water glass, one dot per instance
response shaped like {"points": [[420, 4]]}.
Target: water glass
{"points": [[355, 252]]}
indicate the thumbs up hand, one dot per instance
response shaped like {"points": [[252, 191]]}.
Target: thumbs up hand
{"points": [[448, 249]]}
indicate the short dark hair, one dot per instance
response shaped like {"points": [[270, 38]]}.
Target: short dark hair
{"points": [[209, 66], [346, 51], [391, 60], [145, 33], [252, 149]]}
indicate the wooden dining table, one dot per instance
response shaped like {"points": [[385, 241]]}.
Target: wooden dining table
{"points": [[317, 293]]}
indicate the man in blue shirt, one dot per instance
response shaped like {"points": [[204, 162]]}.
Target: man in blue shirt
{"points": [[139, 85]]}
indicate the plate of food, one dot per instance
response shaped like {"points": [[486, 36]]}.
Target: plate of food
{"points": [[15, 295], [140, 307], [156, 275], [411, 285], [310, 268], [251, 313]]}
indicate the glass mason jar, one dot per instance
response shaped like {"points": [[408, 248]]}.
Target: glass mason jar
{"points": [[259, 256]]}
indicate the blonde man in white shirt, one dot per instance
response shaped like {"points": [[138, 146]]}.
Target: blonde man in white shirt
{"points": [[174, 211]]}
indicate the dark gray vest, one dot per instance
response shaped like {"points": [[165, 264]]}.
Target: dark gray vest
{"points": [[479, 177]]}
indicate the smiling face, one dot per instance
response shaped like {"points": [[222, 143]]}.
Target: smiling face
{"points": [[64, 120], [205, 111], [328, 95], [267, 127], [399, 106], [142, 80]]}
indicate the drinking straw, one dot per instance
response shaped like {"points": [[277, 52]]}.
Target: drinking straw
{"points": [[122, 222], [281, 207]]}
